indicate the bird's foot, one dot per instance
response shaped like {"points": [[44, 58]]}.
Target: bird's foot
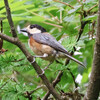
{"points": [[43, 56], [36, 56]]}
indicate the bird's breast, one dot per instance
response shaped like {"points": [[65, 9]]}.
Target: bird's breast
{"points": [[41, 49]]}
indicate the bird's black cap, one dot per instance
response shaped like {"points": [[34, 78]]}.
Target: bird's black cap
{"points": [[38, 27]]}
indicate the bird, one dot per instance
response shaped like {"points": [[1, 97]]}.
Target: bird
{"points": [[45, 46]]}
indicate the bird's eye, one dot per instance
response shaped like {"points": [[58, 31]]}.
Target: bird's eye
{"points": [[31, 26]]}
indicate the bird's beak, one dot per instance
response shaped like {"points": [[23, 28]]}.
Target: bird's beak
{"points": [[24, 30]]}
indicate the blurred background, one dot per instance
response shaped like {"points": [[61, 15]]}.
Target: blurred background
{"points": [[65, 23]]}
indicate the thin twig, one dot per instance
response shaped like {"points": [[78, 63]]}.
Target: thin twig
{"points": [[28, 95], [76, 84], [83, 23], [79, 36], [56, 18], [39, 87], [56, 81], [10, 19], [53, 25], [92, 8], [39, 15], [17, 60], [45, 18], [64, 3], [3, 85]]}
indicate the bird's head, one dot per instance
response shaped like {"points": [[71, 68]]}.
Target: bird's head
{"points": [[31, 29]]}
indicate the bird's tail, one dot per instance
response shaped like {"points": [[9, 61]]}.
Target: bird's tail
{"points": [[77, 61], [62, 55]]}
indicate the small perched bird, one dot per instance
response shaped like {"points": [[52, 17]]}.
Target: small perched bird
{"points": [[46, 46]]}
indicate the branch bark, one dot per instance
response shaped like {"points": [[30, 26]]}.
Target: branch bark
{"points": [[56, 81], [18, 43], [64, 3], [1, 30], [10, 18], [94, 83]]}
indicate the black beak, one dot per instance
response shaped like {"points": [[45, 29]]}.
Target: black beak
{"points": [[23, 30]]}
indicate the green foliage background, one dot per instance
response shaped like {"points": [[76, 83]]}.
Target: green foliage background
{"points": [[17, 77]]}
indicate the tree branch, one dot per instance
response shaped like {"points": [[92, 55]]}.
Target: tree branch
{"points": [[1, 30], [10, 19], [92, 7], [64, 3], [1, 24], [29, 94], [15, 60], [94, 82], [76, 85], [8, 38], [83, 23], [17, 42], [3, 85], [56, 81], [59, 26], [39, 15]]}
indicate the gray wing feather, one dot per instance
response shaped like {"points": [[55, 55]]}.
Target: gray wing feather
{"points": [[47, 39]]}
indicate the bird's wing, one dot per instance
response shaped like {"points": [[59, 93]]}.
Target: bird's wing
{"points": [[47, 39]]}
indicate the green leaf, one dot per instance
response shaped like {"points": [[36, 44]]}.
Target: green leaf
{"points": [[28, 18], [17, 6], [76, 8], [69, 42], [2, 2], [85, 75], [93, 17], [49, 8]]}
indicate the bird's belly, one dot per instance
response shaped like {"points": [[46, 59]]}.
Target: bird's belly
{"points": [[41, 52], [36, 50], [41, 49]]}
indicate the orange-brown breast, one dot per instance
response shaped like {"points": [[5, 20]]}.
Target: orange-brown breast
{"points": [[40, 49]]}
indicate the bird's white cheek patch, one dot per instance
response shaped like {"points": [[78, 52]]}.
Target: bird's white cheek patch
{"points": [[45, 55], [34, 30]]}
